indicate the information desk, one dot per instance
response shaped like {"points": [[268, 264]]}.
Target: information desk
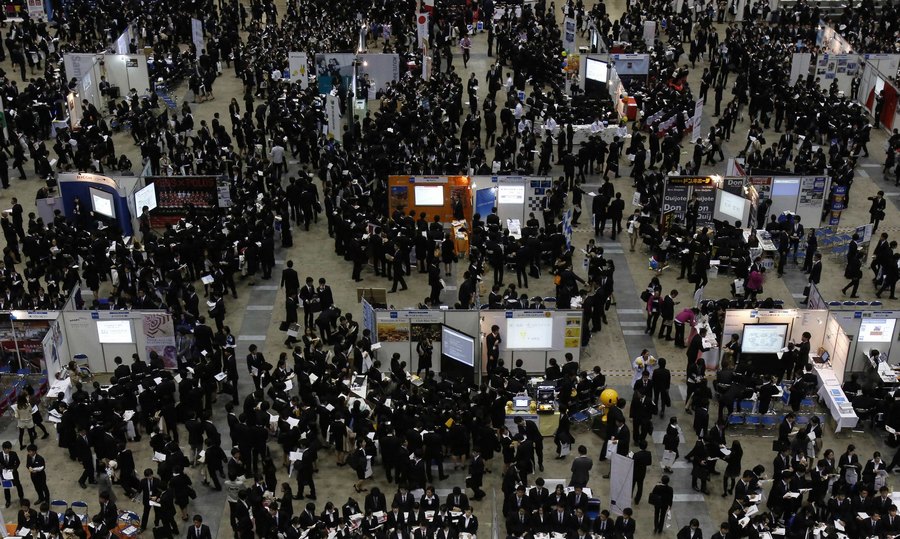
{"points": [[837, 402], [547, 423]]}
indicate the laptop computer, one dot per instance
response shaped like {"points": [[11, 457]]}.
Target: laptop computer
{"points": [[823, 358]]}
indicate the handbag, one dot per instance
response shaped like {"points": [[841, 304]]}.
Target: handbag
{"points": [[806, 290], [653, 498]]}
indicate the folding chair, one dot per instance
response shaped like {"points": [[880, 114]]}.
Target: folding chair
{"points": [[736, 420], [752, 421], [80, 508], [59, 507]]}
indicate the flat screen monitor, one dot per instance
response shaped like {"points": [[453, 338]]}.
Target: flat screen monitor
{"points": [[457, 346], [876, 329], [511, 194], [114, 331], [596, 70], [529, 333], [429, 195], [763, 338], [103, 203], [145, 196], [731, 205]]}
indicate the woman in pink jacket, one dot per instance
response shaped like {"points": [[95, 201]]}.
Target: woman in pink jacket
{"points": [[755, 283]]}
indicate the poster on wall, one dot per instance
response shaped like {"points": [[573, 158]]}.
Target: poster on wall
{"points": [[159, 330], [675, 200], [298, 68], [25, 341], [333, 68], [706, 197], [812, 193], [763, 186], [368, 313], [174, 192], [573, 331], [36, 9]]}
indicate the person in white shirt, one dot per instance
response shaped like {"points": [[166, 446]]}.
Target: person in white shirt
{"points": [[276, 154], [596, 126]]}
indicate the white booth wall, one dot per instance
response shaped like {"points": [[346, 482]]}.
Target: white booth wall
{"points": [[86, 69], [534, 189], [798, 321], [150, 330], [118, 73], [397, 332], [566, 330], [851, 323]]}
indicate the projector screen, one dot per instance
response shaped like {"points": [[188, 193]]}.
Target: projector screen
{"points": [[511, 194], [731, 205], [429, 195], [876, 330], [458, 346], [114, 331], [145, 197], [596, 70], [103, 203], [529, 333], [763, 338]]}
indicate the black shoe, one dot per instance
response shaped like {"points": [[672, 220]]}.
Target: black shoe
{"points": [[80, 484]]}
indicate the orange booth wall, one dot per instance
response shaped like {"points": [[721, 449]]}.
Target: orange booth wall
{"points": [[402, 196]]}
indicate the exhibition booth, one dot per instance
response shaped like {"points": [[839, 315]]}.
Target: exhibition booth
{"points": [[764, 337], [720, 199], [459, 340], [378, 69], [513, 196], [444, 196], [104, 200], [804, 196], [458, 337]]}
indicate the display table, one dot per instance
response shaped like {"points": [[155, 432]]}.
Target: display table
{"points": [[835, 400], [547, 423], [711, 356], [63, 386], [765, 241]]}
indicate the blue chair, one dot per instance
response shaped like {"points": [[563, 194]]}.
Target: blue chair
{"points": [[59, 507], [80, 508], [753, 421], [802, 420], [862, 303], [770, 421], [593, 509], [746, 406], [736, 419], [834, 303], [849, 303], [875, 303]]}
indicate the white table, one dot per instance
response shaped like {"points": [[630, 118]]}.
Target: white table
{"points": [[831, 393], [63, 386]]}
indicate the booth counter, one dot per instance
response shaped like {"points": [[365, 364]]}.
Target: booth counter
{"points": [[834, 398], [547, 423]]}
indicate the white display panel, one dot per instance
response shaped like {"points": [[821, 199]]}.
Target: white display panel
{"points": [[458, 346], [731, 205], [529, 333], [114, 331], [876, 330], [763, 338], [429, 195], [145, 197], [596, 70], [102, 203], [511, 194]]}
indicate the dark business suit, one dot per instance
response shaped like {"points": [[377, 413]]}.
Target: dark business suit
{"points": [[10, 461]]}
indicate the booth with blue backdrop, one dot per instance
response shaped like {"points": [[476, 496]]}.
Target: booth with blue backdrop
{"points": [[103, 199]]}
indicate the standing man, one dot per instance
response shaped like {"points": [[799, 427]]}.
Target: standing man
{"points": [[642, 459], [84, 454], [255, 361], [616, 210], [37, 468], [476, 474], [529, 429], [493, 341], [815, 275], [309, 298], [290, 281], [581, 468], [465, 45], [876, 210], [18, 218], [9, 462], [662, 381]]}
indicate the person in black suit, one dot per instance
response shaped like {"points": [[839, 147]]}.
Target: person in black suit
{"points": [[876, 209], [9, 461], [815, 274], [662, 381], [37, 468], [108, 513], [602, 526], [476, 475], [625, 525], [661, 498], [642, 459], [518, 523], [667, 313], [199, 530], [695, 347], [560, 520], [27, 517], [47, 520], [149, 489], [203, 334], [310, 300], [529, 429], [691, 531], [290, 281], [493, 341]]}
